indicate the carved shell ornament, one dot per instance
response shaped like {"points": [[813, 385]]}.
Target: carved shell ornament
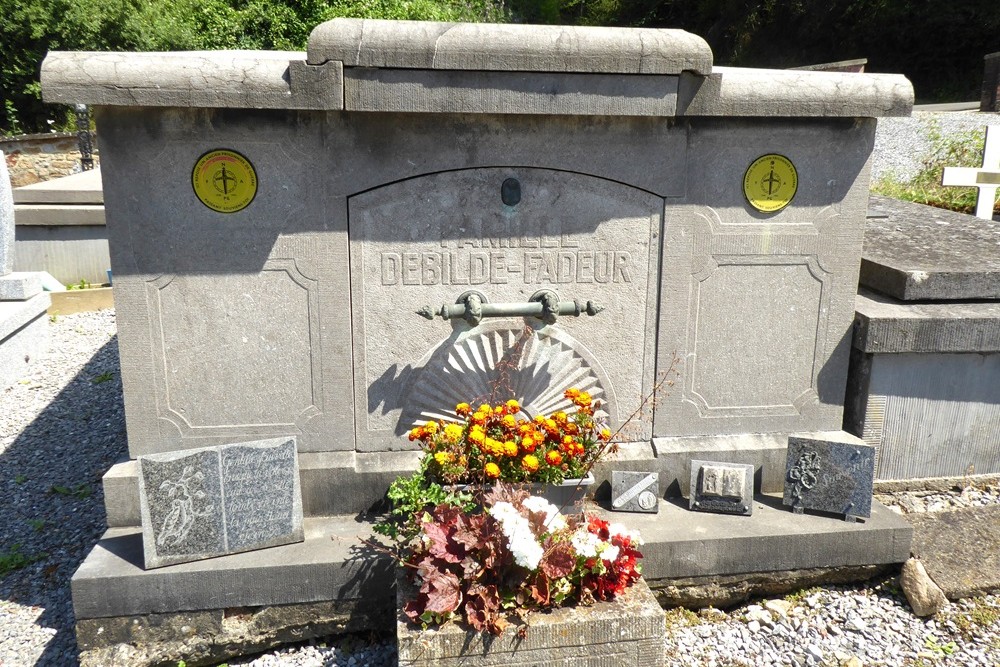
{"points": [[495, 363]]}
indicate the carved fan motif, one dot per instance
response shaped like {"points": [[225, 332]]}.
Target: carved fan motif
{"points": [[535, 367]]}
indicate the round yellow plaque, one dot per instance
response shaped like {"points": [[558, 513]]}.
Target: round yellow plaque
{"points": [[224, 181], [770, 183]]}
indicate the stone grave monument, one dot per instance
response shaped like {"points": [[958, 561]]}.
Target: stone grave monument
{"points": [[339, 244], [927, 343], [24, 332]]}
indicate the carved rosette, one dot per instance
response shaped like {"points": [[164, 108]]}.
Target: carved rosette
{"points": [[496, 363]]}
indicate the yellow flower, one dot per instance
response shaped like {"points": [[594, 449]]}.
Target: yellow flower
{"points": [[476, 437], [479, 417], [509, 422], [512, 406], [605, 434], [560, 417], [571, 393], [530, 463], [583, 400], [453, 432], [510, 449], [443, 457], [463, 409], [528, 443], [492, 470], [431, 427], [485, 408]]}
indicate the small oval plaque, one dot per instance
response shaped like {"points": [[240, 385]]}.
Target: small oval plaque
{"points": [[224, 180], [510, 192], [770, 183]]}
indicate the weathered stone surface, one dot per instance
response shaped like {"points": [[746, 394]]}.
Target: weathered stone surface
{"points": [[915, 252], [731, 590], [214, 79], [887, 326], [24, 334], [211, 637], [925, 597], [731, 91], [765, 451], [433, 91], [507, 47], [726, 488], [990, 100], [830, 473], [219, 500], [82, 188], [19, 286], [960, 550], [627, 631], [6, 221]]}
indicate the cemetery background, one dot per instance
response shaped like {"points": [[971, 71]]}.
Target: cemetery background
{"points": [[81, 492]]}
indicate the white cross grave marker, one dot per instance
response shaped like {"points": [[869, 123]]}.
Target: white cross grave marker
{"points": [[986, 178]]}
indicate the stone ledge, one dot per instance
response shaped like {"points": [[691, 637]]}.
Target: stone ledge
{"points": [[504, 47], [731, 91], [210, 79], [82, 188], [59, 215], [15, 315], [886, 326]]}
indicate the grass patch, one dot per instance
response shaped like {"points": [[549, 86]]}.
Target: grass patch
{"points": [[961, 150], [79, 491], [13, 559], [106, 376], [679, 617]]}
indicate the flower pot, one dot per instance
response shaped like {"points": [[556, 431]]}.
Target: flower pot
{"points": [[566, 496]]}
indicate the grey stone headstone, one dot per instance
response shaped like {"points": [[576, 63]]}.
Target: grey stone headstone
{"points": [[830, 475], [220, 500], [726, 488], [6, 220], [635, 491]]}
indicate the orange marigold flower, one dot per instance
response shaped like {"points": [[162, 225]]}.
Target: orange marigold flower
{"points": [[477, 437], [492, 470], [463, 409], [528, 443], [605, 434], [431, 428], [512, 406], [493, 447], [530, 463], [415, 433], [510, 448], [571, 428], [551, 426], [583, 400], [453, 432], [485, 408], [571, 393], [540, 419], [509, 422], [479, 417], [553, 457], [560, 417]]}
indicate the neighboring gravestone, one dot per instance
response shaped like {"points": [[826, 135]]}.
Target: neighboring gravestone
{"points": [[13, 286], [635, 491], [831, 472], [991, 84], [219, 500], [726, 488]]}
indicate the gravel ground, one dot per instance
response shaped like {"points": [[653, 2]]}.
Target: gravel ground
{"points": [[901, 144], [62, 427]]}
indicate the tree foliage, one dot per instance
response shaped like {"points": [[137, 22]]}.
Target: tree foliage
{"points": [[939, 46]]}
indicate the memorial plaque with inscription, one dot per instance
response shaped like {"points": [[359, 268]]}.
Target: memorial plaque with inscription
{"points": [[507, 235], [219, 500], [725, 488], [830, 476]]}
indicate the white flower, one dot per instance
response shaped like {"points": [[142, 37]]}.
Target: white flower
{"points": [[609, 553], [520, 540], [553, 520], [619, 529], [585, 543]]}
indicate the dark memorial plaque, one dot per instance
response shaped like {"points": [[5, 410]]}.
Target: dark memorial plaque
{"points": [[219, 500], [830, 476], [725, 488]]}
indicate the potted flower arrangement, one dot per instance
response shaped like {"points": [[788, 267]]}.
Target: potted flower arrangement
{"points": [[478, 547]]}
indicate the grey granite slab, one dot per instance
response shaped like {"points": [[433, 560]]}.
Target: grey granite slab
{"points": [[915, 252], [833, 473], [82, 188], [6, 221], [726, 488], [960, 550], [219, 500]]}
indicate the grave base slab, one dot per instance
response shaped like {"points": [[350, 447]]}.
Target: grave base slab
{"points": [[332, 565], [24, 335]]}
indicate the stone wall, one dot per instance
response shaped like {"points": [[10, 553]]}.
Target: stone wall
{"points": [[32, 158], [991, 84]]}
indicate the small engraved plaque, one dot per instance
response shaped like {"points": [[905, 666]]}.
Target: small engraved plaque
{"points": [[830, 476], [635, 491], [214, 501], [726, 488]]}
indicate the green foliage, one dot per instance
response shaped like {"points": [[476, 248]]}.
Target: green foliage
{"points": [[13, 559], [37, 524], [964, 150], [410, 497], [20, 479], [103, 377], [80, 491]]}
